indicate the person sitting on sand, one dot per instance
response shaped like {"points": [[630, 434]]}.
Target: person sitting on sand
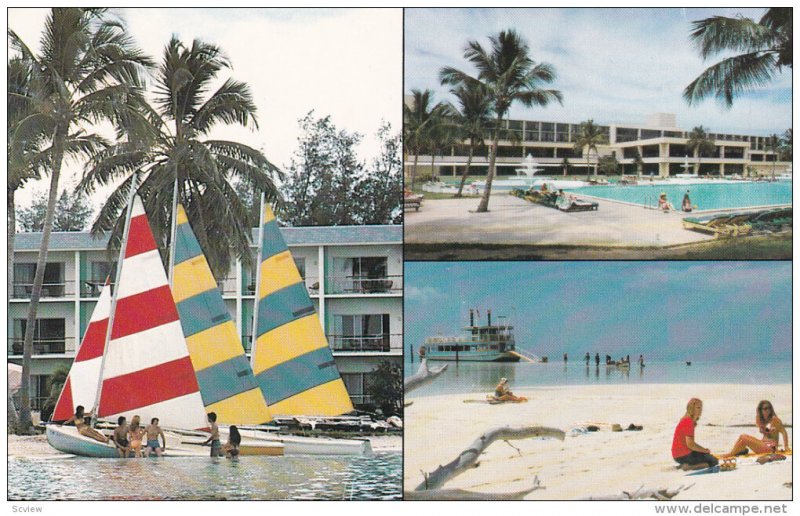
{"points": [[83, 426], [503, 393], [771, 429], [120, 438], [663, 203], [686, 452], [153, 431]]}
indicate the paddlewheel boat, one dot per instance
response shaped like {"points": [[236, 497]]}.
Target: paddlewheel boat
{"points": [[479, 343]]}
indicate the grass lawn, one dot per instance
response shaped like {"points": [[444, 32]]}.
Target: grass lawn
{"points": [[758, 247]]}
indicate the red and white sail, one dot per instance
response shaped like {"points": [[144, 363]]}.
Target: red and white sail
{"points": [[147, 370], [84, 375]]}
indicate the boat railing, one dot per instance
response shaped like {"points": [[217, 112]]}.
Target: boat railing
{"points": [[466, 340]]}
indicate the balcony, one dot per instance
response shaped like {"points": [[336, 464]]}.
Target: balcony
{"points": [[22, 290], [48, 346], [365, 285], [312, 286], [92, 287], [366, 343]]}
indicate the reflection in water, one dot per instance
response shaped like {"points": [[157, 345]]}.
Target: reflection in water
{"points": [[251, 478]]}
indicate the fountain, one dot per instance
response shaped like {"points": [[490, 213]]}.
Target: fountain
{"points": [[529, 167]]}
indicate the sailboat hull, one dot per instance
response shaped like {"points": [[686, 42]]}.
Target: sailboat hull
{"points": [[254, 441], [66, 439]]}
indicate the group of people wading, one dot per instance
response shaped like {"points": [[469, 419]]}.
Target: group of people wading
{"points": [[130, 437]]}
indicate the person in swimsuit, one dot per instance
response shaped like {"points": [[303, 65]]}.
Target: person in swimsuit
{"points": [[216, 446], [503, 393], [84, 428], [685, 450], [686, 204], [231, 448], [120, 438], [771, 429], [135, 434], [153, 431], [664, 204]]}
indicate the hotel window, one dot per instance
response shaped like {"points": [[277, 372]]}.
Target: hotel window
{"points": [[48, 336], [362, 332], [98, 272], [650, 133], [364, 274], [52, 286], [626, 134], [673, 134]]}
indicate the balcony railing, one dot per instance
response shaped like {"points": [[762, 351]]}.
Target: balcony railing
{"points": [[49, 346], [367, 343], [312, 285], [93, 287], [361, 399], [366, 285], [22, 290]]}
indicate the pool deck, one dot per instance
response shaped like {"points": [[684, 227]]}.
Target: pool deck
{"points": [[512, 220]]}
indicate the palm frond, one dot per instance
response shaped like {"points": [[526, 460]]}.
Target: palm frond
{"points": [[232, 103], [730, 77], [719, 34]]}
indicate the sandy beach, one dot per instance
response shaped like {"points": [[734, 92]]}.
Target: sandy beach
{"points": [[600, 463]]}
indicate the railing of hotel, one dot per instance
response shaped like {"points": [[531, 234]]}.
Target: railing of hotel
{"points": [[92, 287], [37, 402], [228, 286], [366, 343], [49, 346], [22, 290], [361, 399], [364, 285]]}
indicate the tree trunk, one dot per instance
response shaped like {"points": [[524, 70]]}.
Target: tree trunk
{"points": [[696, 162], [414, 168], [483, 206], [11, 412], [466, 170], [422, 376], [24, 425], [597, 161], [434, 178]]}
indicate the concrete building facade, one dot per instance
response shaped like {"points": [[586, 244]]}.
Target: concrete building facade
{"points": [[354, 275]]}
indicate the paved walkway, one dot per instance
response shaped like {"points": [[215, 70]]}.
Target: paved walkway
{"points": [[512, 220]]}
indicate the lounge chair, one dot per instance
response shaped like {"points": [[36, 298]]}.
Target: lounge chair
{"points": [[579, 205], [411, 200]]}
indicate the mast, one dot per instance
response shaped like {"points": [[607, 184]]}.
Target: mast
{"points": [[122, 249], [173, 229], [257, 265]]}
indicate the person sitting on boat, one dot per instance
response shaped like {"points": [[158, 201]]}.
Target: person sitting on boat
{"points": [[81, 422], [503, 393], [686, 204], [231, 448], [153, 431], [213, 439], [120, 438], [135, 434], [771, 429], [685, 450], [663, 203]]}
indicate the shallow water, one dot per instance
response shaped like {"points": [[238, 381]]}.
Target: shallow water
{"points": [[704, 196], [483, 376], [377, 477]]}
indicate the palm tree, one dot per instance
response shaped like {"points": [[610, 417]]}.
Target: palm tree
{"points": [[420, 121], [473, 117], [509, 75], [773, 144], [87, 71], [565, 165], [700, 145], [638, 162], [589, 137], [206, 169], [786, 146], [763, 48]]}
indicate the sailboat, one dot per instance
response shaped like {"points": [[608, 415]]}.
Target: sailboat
{"points": [[227, 383], [133, 354]]}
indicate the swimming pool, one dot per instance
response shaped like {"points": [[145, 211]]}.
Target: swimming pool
{"points": [[715, 196]]}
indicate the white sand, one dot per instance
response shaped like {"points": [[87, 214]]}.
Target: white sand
{"points": [[601, 463]]}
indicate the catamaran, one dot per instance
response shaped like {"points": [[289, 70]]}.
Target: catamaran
{"points": [[480, 343], [173, 353]]}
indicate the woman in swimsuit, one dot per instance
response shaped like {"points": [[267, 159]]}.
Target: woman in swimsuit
{"points": [[231, 448], [79, 420], [503, 393], [771, 429], [135, 433]]}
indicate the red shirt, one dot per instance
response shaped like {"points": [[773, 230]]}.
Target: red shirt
{"points": [[684, 429]]}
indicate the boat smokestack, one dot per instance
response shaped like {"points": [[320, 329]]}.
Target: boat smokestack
{"points": [[489, 315], [471, 317]]}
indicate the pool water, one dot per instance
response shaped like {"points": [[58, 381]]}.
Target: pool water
{"points": [[705, 196], [376, 477]]}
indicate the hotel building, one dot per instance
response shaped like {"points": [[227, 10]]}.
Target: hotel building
{"points": [[354, 275], [660, 143]]}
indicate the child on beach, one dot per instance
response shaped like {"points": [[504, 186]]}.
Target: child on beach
{"points": [[216, 446], [771, 429], [685, 450], [153, 431]]}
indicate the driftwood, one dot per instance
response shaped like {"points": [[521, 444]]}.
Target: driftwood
{"points": [[468, 458], [422, 377], [462, 495], [643, 494]]}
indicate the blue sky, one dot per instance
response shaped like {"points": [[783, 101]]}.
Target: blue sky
{"points": [[666, 310], [613, 65]]}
